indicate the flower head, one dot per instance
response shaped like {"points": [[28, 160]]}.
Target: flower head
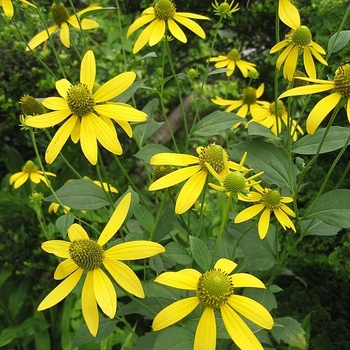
{"points": [[30, 106], [341, 88], [160, 18], [269, 201], [215, 290], [62, 20], [195, 172], [29, 171], [90, 113], [225, 9], [231, 60], [85, 257], [8, 6], [299, 38]]}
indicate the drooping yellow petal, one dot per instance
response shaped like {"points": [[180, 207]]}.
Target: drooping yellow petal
{"points": [[186, 279], [264, 223], [249, 213], [62, 86], [284, 219], [116, 220], [89, 304], [75, 133], [288, 14], [191, 25], [124, 276], [158, 32], [59, 248], [176, 31], [134, 250], [260, 90], [284, 54], [144, 37], [56, 103], [120, 112], [279, 46], [225, 265], [34, 177], [21, 179], [105, 294], [320, 111], [190, 192], [88, 69], [41, 37], [238, 330], [114, 87], [8, 8], [308, 89], [192, 15], [61, 291], [88, 140], [174, 313], [289, 211], [290, 63], [64, 269], [64, 35], [173, 159], [242, 112], [242, 280], [141, 21], [47, 120], [309, 63], [76, 232], [205, 337], [251, 309]]}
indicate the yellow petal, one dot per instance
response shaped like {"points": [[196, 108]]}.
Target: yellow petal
{"points": [[186, 279], [47, 120], [191, 25], [61, 291], [57, 247], [41, 37], [174, 313], [222, 102], [121, 112], [225, 265], [116, 220], [307, 90], [205, 337], [114, 87], [289, 211], [242, 280], [264, 223], [124, 276], [320, 111], [284, 54], [88, 139], [249, 213], [176, 31], [89, 304], [88, 69], [76, 232], [173, 159], [190, 192], [8, 8], [75, 133], [279, 46], [252, 310], [288, 14], [62, 86], [144, 37], [134, 250], [141, 21], [158, 32], [56, 103], [291, 63], [260, 90], [64, 269], [104, 293], [20, 180], [64, 35], [191, 15], [284, 219], [309, 63], [238, 330], [59, 139]]}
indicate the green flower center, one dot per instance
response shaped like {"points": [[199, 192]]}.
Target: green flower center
{"points": [[80, 99], [234, 54], [212, 154], [30, 106], [224, 8], [59, 13], [214, 288], [164, 9], [29, 167], [235, 182], [249, 95], [161, 170], [342, 80], [272, 199], [302, 36], [279, 106], [87, 254], [298, 82]]}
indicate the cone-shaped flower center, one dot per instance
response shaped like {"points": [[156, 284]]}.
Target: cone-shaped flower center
{"points": [[59, 13], [87, 254], [212, 154], [272, 199], [234, 182], [214, 288], [30, 106], [164, 9], [298, 82], [224, 8], [29, 167], [249, 95], [279, 106], [160, 171], [342, 80], [234, 54], [302, 36], [80, 99]]}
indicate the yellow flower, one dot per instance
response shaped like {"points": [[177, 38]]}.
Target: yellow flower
{"points": [[195, 172], [299, 38], [215, 290], [84, 256], [225, 9], [8, 7], [341, 87], [231, 60], [53, 208], [89, 112], [62, 18], [270, 201], [249, 102], [273, 121], [162, 17], [29, 171]]}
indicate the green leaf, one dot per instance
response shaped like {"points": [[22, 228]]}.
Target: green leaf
{"points": [[337, 42], [63, 223], [333, 208], [218, 71], [93, 12], [200, 253], [174, 338], [143, 216], [145, 342], [166, 222], [17, 298], [256, 129], [160, 263], [267, 157], [147, 152], [335, 139], [150, 54], [178, 253], [81, 195], [289, 331], [306, 325], [317, 228], [215, 122]]}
